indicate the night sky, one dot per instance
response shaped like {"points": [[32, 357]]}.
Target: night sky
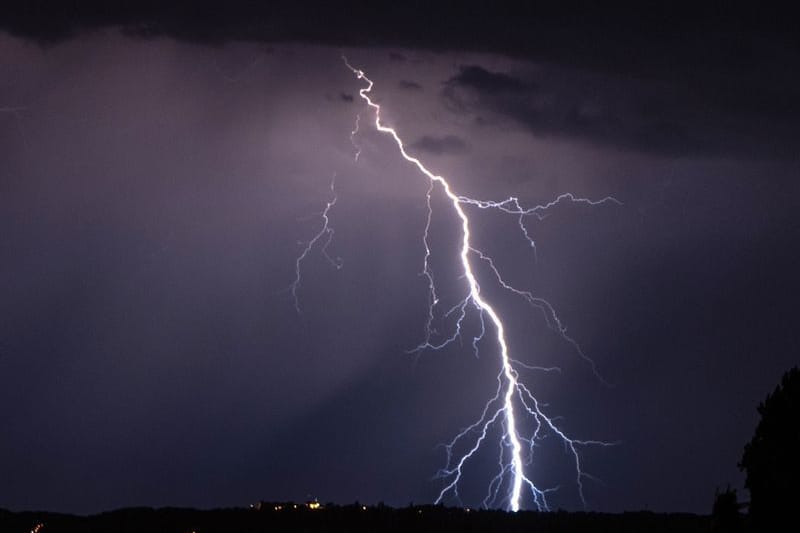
{"points": [[162, 168]]}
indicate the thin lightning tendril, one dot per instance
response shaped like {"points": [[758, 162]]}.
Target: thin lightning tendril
{"points": [[512, 397], [325, 234], [353, 138]]}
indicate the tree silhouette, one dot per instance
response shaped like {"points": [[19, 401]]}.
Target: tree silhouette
{"points": [[771, 459], [725, 516]]}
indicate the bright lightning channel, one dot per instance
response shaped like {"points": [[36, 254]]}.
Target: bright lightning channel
{"points": [[516, 447]]}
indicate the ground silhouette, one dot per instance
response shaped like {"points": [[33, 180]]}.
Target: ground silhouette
{"points": [[771, 460], [292, 517]]}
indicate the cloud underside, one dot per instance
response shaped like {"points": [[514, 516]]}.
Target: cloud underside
{"points": [[629, 38], [448, 144], [664, 118], [409, 85], [656, 79]]}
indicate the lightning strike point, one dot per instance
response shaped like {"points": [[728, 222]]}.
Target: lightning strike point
{"points": [[513, 410]]}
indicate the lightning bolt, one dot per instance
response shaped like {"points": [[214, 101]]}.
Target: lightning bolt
{"points": [[324, 235], [520, 416], [516, 448], [353, 138]]}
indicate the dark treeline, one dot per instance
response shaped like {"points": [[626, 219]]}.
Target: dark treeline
{"points": [[351, 518]]}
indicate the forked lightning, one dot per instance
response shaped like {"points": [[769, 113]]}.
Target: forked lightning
{"points": [[520, 416]]}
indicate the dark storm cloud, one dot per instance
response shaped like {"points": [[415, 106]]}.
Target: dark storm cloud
{"points": [[487, 82], [717, 81], [646, 38], [449, 144], [658, 117], [346, 97], [409, 85]]}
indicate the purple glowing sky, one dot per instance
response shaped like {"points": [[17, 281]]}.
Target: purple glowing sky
{"points": [[153, 193]]}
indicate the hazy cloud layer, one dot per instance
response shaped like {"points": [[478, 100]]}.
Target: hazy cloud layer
{"points": [[660, 117], [489, 83], [448, 144], [409, 85], [659, 79]]}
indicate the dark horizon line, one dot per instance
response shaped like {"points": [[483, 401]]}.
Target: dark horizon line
{"points": [[291, 506]]}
